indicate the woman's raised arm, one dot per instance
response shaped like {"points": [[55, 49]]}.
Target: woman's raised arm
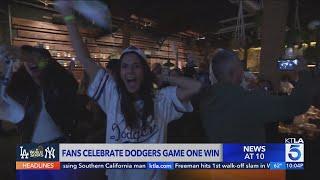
{"points": [[82, 52]]}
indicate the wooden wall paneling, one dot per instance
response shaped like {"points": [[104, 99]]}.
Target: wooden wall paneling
{"points": [[19, 27], [107, 50], [41, 41], [133, 38], [109, 45], [41, 35], [52, 46], [30, 32], [142, 44], [110, 39], [45, 25], [22, 42]]}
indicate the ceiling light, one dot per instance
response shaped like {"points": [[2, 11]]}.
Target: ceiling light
{"points": [[311, 65]]}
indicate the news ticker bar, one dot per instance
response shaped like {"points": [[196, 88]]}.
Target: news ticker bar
{"points": [[157, 165], [288, 155], [293, 152]]}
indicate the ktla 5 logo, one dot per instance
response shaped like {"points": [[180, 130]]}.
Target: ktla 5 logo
{"points": [[294, 150]]}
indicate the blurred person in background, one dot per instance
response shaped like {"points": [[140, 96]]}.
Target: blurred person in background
{"points": [[286, 87], [265, 86], [175, 72], [92, 127], [249, 81], [203, 75], [113, 66], [190, 72], [157, 70]]}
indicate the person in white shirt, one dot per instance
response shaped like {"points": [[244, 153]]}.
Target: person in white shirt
{"points": [[136, 113]]}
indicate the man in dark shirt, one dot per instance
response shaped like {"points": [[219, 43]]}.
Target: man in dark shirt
{"points": [[231, 114]]}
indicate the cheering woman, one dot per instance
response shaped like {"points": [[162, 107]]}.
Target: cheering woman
{"points": [[136, 113]]}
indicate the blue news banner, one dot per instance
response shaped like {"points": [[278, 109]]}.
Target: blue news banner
{"points": [[235, 156]]}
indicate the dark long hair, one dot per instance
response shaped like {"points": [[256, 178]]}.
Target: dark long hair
{"points": [[25, 91], [127, 100], [22, 87]]}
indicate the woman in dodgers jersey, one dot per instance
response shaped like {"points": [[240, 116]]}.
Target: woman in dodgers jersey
{"points": [[136, 113]]}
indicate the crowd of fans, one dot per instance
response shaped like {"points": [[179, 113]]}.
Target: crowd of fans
{"points": [[49, 106], [217, 103]]}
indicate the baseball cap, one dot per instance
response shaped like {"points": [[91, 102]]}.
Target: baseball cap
{"points": [[133, 49]]}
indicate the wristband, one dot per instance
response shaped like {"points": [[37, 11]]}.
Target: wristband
{"points": [[69, 18]]}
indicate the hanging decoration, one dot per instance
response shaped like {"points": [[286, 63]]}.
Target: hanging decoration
{"points": [[296, 18], [239, 34], [297, 25], [294, 35], [253, 36], [168, 64]]}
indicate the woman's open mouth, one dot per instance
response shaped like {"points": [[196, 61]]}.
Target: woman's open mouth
{"points": [[131, 81]]}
